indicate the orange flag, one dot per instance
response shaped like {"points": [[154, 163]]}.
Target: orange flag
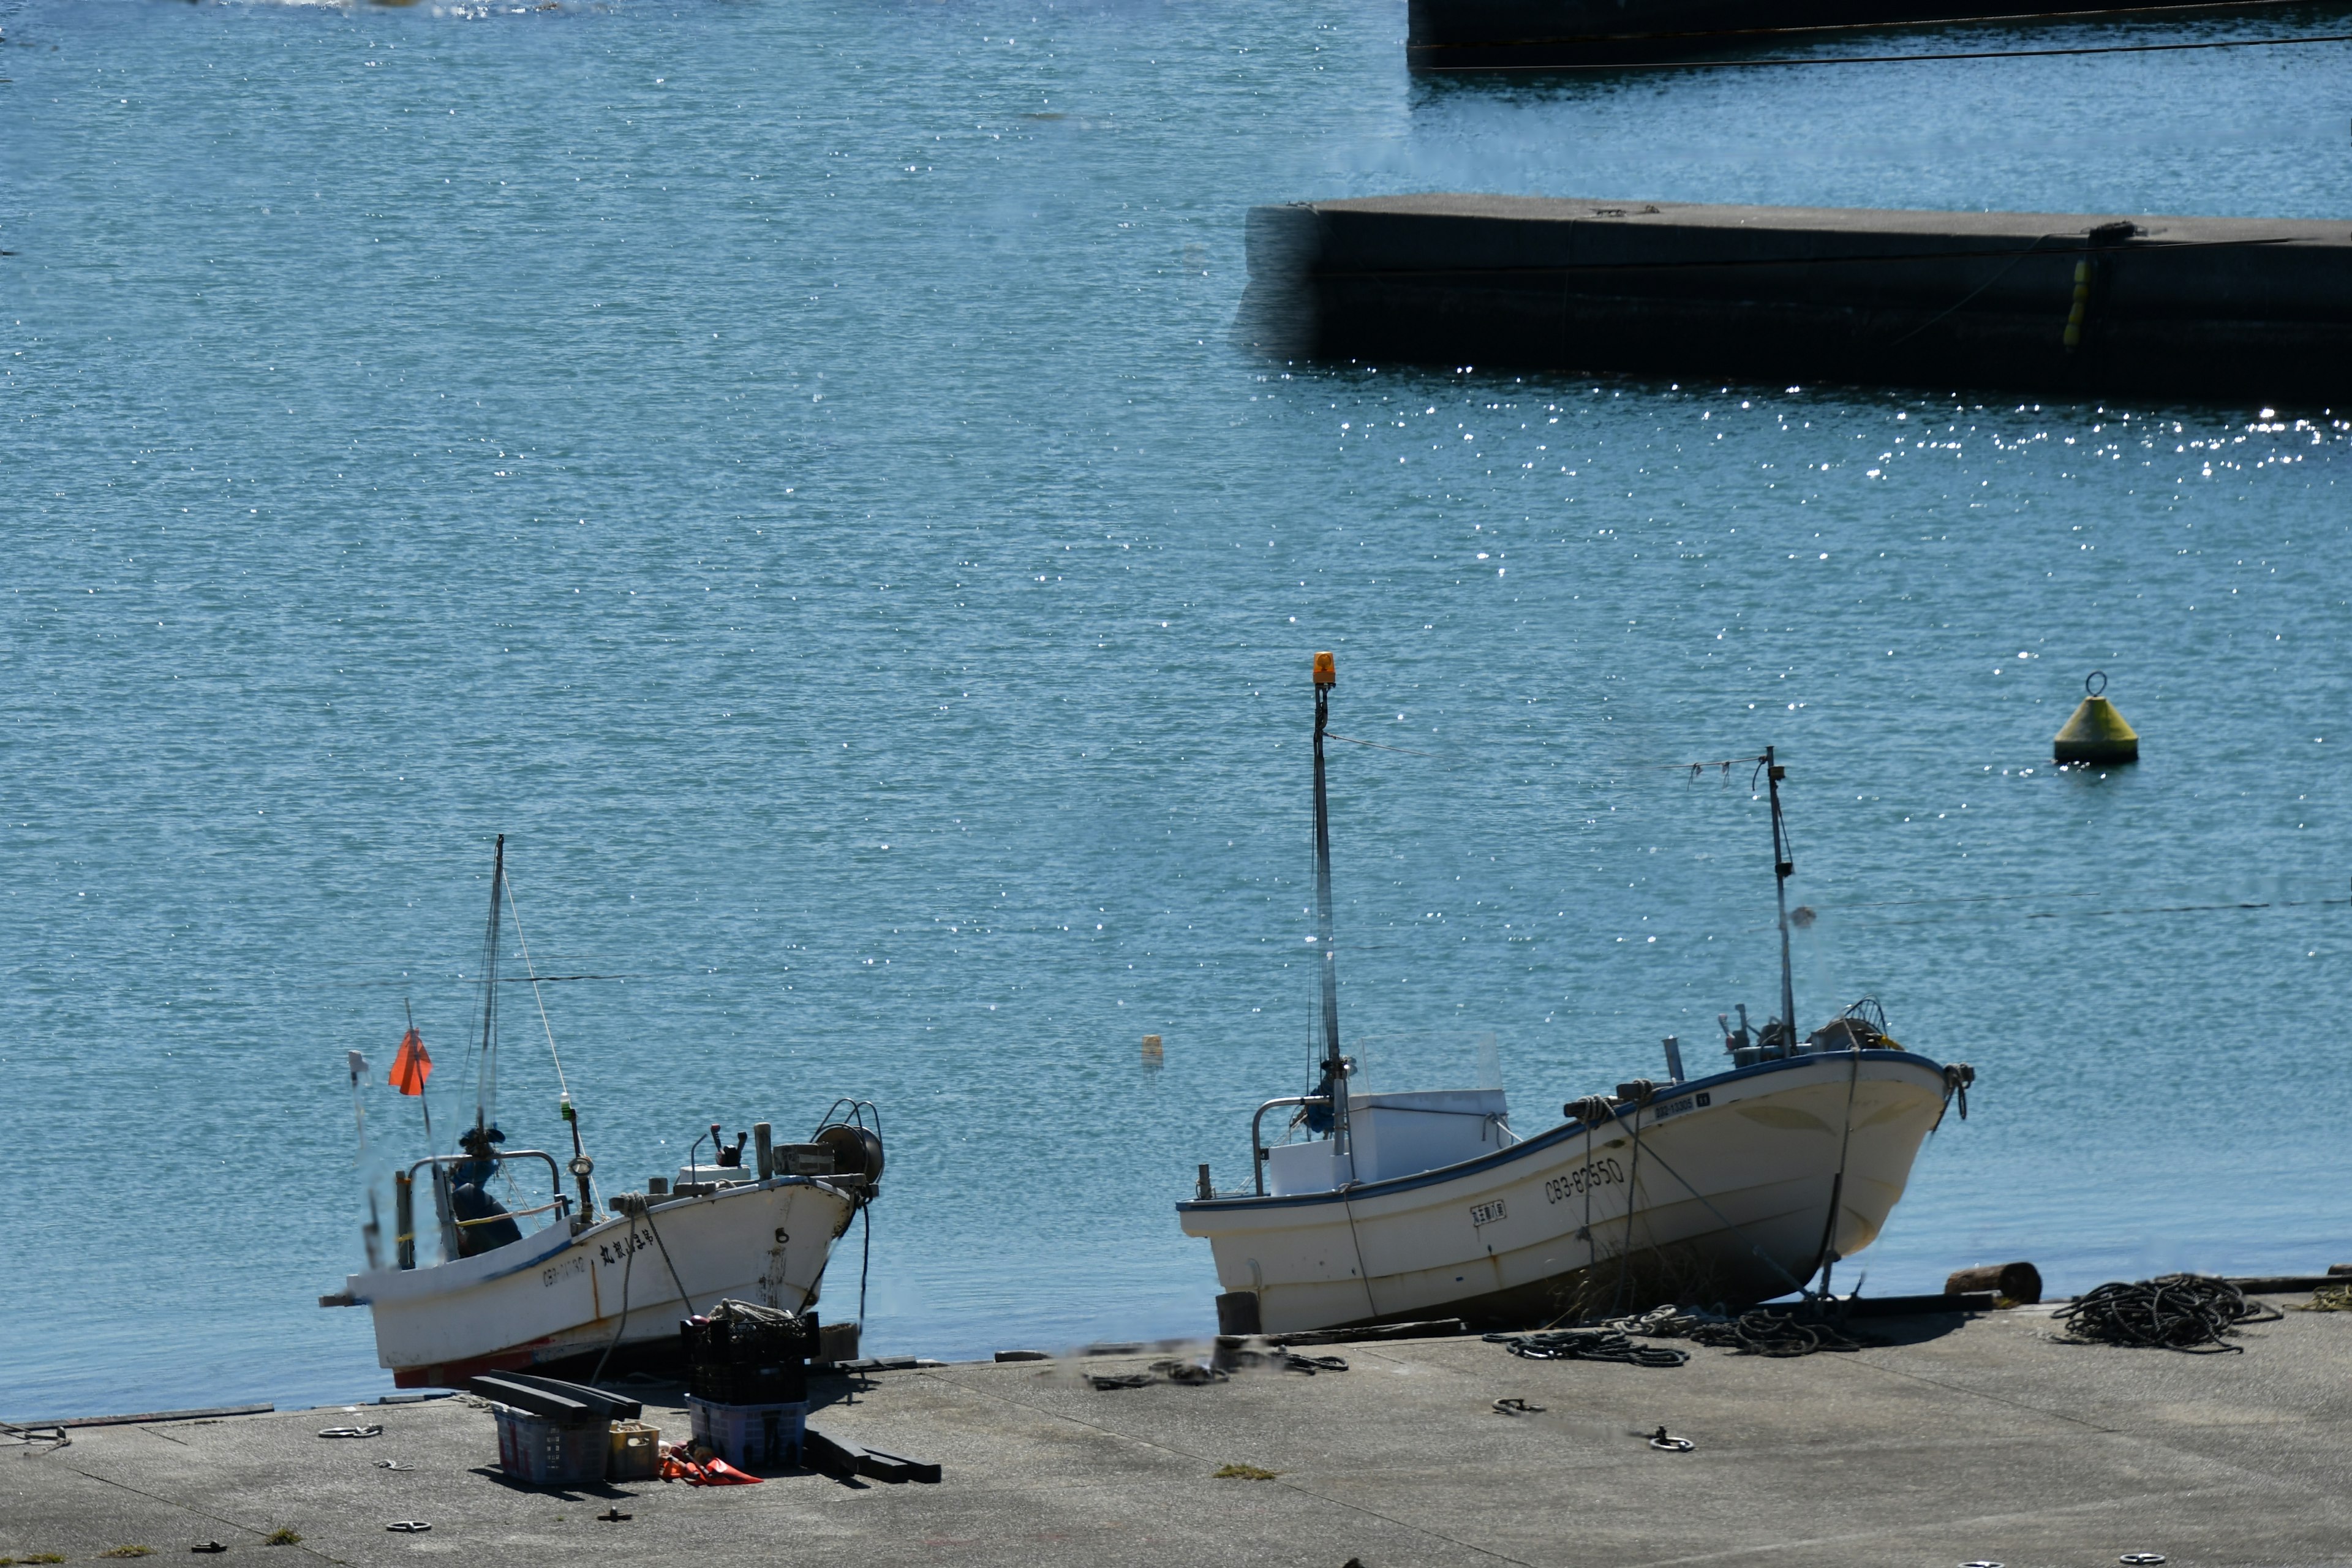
{"points": [[411, 1067]]}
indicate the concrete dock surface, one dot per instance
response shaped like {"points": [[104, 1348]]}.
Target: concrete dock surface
{"points": [[1955, 1441]]}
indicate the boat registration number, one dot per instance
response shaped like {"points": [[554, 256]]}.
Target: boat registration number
{"points": [[1486, 1214], [1583, 1179]]}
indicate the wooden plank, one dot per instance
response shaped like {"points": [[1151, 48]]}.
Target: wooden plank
{"points": [[835, 1456], [921, 1470], [2287, 1284], [537, 1402]]}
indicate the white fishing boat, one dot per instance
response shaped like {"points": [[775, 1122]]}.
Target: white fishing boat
{"points": [[1722, 1190], [594, 1279]]}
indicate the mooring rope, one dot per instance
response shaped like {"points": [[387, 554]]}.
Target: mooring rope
{"points": [[1837, 1183], [1753, 1247], [629, 1265], [1645, 1091], [2172, 1312]]}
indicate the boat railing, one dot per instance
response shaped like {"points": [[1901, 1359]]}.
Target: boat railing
{"points": [[1258, 1150], [404, 1202]]}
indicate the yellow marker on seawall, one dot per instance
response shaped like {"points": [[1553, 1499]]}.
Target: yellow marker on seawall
{"points": [[2097, 734]]}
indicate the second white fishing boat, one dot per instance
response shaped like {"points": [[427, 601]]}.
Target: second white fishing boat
{"points": [[1723, 1190], [594, 1281]]}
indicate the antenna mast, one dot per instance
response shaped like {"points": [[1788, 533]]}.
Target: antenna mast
{"points": [[1335, 1066], [1784, 864], [486, 1076]]}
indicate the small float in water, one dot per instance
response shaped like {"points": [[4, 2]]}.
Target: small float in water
{"points": [[593, 1278], [1731, 1188]]}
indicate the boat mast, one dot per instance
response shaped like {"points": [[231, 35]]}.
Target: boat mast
{"points": [[1783, 867], [1335, 1067], [486, 1079]]}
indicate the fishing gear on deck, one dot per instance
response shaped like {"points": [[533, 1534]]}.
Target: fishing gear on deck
{"points": [[2172, 1312]]}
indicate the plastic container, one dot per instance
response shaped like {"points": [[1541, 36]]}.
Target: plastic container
{"points": [[750, 1436], [739, 1357], [542, 1453], [785, 1383], [633, 1452]]}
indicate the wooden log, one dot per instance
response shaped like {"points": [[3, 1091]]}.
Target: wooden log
{"points": [[2018, 1284]]}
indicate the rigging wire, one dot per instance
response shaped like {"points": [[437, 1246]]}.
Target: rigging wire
{"points": [[524, 942], [1376, 746], [1287, 946], [2154, 909], [1460, 752]]}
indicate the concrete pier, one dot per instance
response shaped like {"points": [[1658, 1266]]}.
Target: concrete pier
{"points": [[1580, 35], [2235, 309], [1958, 1441]]}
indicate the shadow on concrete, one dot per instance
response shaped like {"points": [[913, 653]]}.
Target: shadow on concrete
{"points": [[603, 1492], [1916, 1329]]}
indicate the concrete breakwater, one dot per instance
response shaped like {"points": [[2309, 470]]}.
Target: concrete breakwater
{"points": [[2256, 308], [1571, 35]]}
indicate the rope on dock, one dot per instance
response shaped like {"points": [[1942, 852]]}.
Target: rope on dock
{"points": [[1761, 1332], [52, 1434], [2172, 1312], [1588, 1344]]}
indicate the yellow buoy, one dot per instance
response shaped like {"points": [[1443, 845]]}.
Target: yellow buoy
{"points": [[1153, 1056], [2097, 734]]}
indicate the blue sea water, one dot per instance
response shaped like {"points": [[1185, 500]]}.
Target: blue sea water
{"points": [[788, 467]]}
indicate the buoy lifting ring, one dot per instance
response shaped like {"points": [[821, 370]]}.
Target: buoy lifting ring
{"points": [[2098, 675]]}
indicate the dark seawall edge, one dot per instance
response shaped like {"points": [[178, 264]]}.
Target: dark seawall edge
{"points": [[2196, 308]]}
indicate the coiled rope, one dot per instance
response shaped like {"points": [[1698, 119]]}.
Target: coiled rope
{"points": [[1588, 1344], [1761, 1332], [2188, 1312]]}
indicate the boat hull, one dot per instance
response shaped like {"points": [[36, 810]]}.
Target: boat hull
{"points": [[623, 1282], [1727, 1202]]}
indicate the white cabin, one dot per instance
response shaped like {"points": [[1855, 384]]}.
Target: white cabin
{"points": [[1395, 1135]]}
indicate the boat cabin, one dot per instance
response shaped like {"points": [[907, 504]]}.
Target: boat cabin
{"points": [[1392, 1135]]}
